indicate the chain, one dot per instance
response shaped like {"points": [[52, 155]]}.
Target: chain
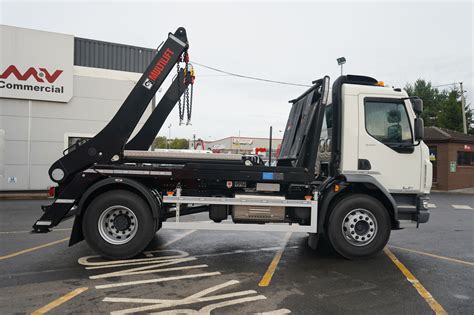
{"points": [[187, 102], [180, 106], [190, 104]]}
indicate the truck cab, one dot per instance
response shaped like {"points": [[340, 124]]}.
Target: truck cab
{"points": [[377, 142], [370, 155]]}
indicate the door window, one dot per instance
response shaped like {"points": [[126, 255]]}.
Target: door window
{"points": [[387, 121]]}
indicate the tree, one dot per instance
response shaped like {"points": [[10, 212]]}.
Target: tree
{"points": [[451, 115], [160, 143], [441, 108], [177, 143]]}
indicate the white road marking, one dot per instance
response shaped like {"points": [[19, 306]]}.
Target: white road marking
{"points": [[431, 205], [462, 207], [198, 297], [209, 308], [281, 311], [155, 261], [121, 284], [128, 262], [139, 271]]}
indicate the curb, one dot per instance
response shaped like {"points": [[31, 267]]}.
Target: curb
{"points": [[453, 192]]}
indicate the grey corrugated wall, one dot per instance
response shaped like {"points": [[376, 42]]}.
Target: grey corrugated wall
{"points": [[105, 55]]}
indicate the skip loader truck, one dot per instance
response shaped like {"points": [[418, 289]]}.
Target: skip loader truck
{"points": [[352, 167]]}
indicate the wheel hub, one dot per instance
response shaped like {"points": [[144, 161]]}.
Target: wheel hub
{"points": [[122, 222], [359, 227], [117, 225]]}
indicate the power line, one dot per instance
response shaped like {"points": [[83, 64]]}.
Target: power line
{"points": [[249, 77], [447, 84]]}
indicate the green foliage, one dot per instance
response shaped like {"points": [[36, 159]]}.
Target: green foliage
{"points": [[441, 108], [177, 143]]}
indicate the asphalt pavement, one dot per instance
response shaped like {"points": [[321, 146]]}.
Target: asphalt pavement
{"points": [[240, 272]]}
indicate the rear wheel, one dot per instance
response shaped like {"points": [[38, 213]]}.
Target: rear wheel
{"points": [[118, 224], [359, 226]]}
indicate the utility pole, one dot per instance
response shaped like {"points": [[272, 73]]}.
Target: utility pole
{"points": [[270, 148], [463, 104]]}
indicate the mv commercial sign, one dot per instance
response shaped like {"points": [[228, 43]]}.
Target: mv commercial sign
{"points": [[36, 65]]}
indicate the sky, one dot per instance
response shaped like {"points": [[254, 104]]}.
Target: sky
{"points": [[394, 42]]}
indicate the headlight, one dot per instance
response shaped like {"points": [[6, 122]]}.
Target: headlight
{"points": [[425, 203]]}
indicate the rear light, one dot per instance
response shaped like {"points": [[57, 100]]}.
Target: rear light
{"points": [[51, 191]]}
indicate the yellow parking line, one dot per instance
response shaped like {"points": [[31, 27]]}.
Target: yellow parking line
{"points": [[468, 263], [32, 249], [267, 277], [59, 301], [435, 306]]}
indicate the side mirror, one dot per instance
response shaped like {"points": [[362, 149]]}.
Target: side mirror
{"points": [[417, 105], [419, 129]]}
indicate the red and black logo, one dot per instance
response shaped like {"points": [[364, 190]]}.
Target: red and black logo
{"points": [[31, 72], [158, 68], [40, 75]]}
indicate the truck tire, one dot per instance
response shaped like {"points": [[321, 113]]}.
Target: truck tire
{"points": [[118, 224], [358, 226]]}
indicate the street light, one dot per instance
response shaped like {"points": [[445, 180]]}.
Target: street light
{"points": [[341, 61]]}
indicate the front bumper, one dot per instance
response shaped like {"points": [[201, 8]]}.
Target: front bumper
{"points": [[415, 209], [423, 211]]}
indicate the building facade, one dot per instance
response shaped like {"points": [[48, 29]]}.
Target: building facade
{"points": [[236, 144], [56, 89], [452, 156]]}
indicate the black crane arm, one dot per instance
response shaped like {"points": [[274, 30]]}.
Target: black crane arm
{"points": [[110, 141], [146, 135]]}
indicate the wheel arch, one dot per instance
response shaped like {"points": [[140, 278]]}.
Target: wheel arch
{"points": [[350, 184], [109, 184]]}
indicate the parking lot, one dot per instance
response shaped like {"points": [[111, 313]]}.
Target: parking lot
{"points": [[421, 271]]}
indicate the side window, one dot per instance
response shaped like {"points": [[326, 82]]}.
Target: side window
{"points": [[328, 114], [388, 122]]}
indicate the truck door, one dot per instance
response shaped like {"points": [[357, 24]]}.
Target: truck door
{"points": [[385, 143]]}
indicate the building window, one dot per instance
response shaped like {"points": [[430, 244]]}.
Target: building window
{"points": [[465, 158], [73, 142]]}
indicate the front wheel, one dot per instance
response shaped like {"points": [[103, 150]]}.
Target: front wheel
{"points": [[118, 224], [358, 226]]}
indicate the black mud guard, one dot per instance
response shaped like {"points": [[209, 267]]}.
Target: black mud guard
{"points": [[77, 235], [368, 179], [344, 181]]}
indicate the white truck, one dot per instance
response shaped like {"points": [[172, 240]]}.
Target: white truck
{"points": [[351, 168]]}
